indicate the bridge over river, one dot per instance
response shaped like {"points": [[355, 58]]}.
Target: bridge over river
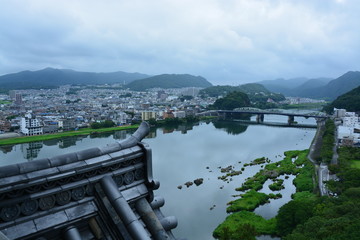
{"points": [[260, 114]]}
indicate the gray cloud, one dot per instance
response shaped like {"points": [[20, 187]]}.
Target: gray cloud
{"points": [[228, 42]]}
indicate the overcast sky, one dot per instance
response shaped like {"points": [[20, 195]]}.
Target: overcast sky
{"points": [[225, 41]]}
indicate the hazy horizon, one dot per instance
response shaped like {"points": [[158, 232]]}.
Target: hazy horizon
{"points": [[232, 42]]}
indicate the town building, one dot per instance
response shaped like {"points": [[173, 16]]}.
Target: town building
{"points": [[348, 132], [179, 114], [30, 125], [168, 114], [5, 126], [18, 99], [67, 124], [147, 115]]}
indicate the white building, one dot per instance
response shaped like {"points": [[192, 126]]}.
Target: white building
{"points": [[179, 114], [347, 136], [348, 133], [29, 125], [351, 121], [121, 118], [147, 115], [339, 113]]}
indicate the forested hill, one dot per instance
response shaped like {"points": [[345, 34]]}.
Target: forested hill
{"points": [[169, 81], [256, 92], [231, 101], [349, 101], [340, 85], [50, 77]]}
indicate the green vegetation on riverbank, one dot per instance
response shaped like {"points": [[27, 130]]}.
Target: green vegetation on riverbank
{"points": [[347, 172], [248, 201], [328, 141], [83, 131], [277, 185], [248, 226], [327, 218], [294, 163]]}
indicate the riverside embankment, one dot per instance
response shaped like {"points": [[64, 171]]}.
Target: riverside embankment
{"points": [[12, 139]]}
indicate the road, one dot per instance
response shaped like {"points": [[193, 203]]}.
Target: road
{"points": [[322, 169], [324, 176]]}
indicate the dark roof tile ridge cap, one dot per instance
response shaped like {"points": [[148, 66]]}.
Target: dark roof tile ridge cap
{"points": [[134, 139], [142, 131]]}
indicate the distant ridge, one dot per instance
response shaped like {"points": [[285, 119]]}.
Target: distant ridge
{"points": [[340, 85], [322, 88], [295, 87], [349, 101], [169, 81], [51, 77]]}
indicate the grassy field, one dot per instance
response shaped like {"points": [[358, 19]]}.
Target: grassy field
{"points": [[304, 106], [355, 164], [83, 131], [4, 102]]}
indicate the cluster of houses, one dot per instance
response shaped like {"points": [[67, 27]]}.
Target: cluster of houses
{"points": [[299, 100], [348, 128], [35, 112]]}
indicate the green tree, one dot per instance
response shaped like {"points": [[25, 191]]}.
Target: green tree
{"points": [[152, 122], [95, 125], [231, 101], [108, 124], [292, 214], [245, 232]]}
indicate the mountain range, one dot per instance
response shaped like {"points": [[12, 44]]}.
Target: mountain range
{"points": [[349, 101], [52, 78], [168, 81], [321, 88]]}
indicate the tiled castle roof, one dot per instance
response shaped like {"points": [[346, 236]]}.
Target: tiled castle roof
{"points": [[98, 193]]}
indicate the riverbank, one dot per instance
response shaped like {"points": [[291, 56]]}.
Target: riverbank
{"points": [[15, 138], [303, 202], [83, 131], [9, 135], [243, 219]]}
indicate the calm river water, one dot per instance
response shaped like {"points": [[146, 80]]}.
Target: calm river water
{"points": [[190, 152]]}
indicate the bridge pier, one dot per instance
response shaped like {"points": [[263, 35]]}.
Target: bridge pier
{"points": [[290, 119], [260, 118]]}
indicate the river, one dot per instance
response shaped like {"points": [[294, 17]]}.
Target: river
{"points": [[191, 152]]}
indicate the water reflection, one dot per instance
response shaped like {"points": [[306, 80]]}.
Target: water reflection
{"points": [[51, 142], [152, 133], [231, 128], [6, 149], [183, 128], [101, 135], [68, 141], [119, 135], [31, 150]]}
